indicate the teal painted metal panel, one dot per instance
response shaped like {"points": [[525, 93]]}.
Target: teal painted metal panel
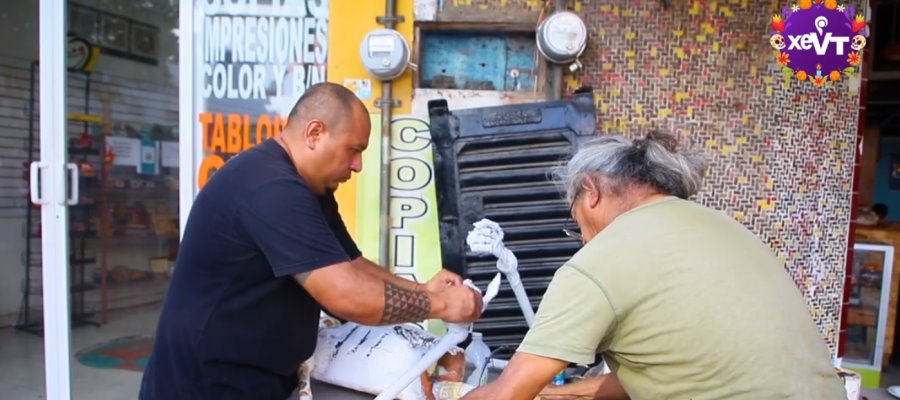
{"points": [[477, 61], [521, 68]]}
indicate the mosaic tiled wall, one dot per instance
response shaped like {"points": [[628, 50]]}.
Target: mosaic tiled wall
{"points": [[781, 151]]}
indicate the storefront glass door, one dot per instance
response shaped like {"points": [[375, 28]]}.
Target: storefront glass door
{"points": [[102, 189]]}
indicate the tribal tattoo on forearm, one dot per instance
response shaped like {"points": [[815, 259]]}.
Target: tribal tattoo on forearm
{"points": [[401, 305]]}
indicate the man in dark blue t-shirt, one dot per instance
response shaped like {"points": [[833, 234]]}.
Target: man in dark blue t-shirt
{"points": [[265, 250]]}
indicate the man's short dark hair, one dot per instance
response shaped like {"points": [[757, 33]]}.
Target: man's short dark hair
{"points": [[327, 101]]}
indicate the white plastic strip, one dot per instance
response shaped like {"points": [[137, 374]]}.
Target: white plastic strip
{"points": [[456, 333]]}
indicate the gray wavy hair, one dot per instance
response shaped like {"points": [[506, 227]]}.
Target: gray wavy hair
{"points": [[615, 163]]}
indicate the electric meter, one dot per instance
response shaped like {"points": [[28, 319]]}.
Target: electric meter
{"points": [[384, 53], [562, 37]]}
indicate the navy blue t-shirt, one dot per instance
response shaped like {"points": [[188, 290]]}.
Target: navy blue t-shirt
{"points": [[235, 323]]}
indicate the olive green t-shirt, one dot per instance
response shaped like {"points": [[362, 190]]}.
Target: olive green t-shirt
{"points": [[685, 303]]}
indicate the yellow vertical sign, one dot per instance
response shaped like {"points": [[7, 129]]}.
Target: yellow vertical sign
{"points": [[348, 23], [414, 243]]}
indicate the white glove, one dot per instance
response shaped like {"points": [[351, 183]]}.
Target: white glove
{"points": [[487, 238]]}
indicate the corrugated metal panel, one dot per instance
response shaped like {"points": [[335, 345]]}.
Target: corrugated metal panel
{"points": [[494, 163]]}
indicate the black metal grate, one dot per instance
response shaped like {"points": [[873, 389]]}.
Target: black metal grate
{"points": [[495, 163]]}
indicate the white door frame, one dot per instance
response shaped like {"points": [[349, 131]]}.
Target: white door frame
{"points": [[187, 157], [54, 199]]}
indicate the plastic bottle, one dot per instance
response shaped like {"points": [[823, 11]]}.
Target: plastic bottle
{"points": [[477, 354], [560, 378]]}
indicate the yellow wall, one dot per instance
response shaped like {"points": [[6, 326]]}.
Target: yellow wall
{"points": [[348, 23]]}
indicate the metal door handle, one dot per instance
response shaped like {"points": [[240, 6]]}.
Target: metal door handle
{"points": [[35, 186], [73, 192]]}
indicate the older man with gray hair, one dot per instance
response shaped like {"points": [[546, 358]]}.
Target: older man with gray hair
{"points": [[683, 301]]}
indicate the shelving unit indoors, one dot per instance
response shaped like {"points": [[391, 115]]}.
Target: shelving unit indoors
{"points": [[123, 232]]}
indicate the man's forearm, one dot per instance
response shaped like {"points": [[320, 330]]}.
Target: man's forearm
{"points": [[360, 296], [404, 300], [375, 269], [604, 387], [403, 305]]}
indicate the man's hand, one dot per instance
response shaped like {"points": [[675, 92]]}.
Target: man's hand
{"points": [[462, 304], [603, 387], [442, 280], [522, 379]]}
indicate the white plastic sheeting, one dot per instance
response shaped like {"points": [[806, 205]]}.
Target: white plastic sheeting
{"points": [[387, 360]]}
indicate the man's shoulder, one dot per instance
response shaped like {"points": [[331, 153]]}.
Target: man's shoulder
{"points": [[260, 157], [258, 171]]}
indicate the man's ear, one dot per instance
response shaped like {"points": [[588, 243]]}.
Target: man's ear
{"points": [[313, 133], [590, 188]]}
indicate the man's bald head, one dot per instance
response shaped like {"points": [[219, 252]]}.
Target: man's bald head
{"points": [[329, 102], [326, 133]]}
